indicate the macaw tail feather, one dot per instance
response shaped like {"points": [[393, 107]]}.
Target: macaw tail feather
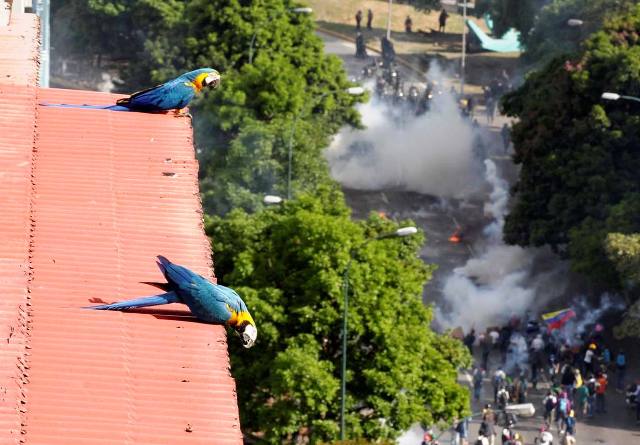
{"points": [[87, 106], [156, 300], [164, 286]]}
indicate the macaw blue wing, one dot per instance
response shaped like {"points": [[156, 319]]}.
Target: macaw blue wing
{"points": [[156, 300], [175, 94], [197, 292]]}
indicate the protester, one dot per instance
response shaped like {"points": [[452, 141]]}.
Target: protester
{"points": [[549, 402], [621, 368], [487, 427], [562, 410], [581, 399], [570, 429], [498, 381], [485, 347], [506, 137], [361, 48], [462, 431], [601, 389], [589, 357], [477, 383], [469, 340], [591, 399]]}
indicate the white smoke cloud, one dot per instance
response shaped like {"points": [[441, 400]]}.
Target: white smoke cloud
{"points": [[430, 154], [500, 281]]}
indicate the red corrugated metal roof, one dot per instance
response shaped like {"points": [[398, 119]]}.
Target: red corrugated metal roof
{"points": [[86, 208]]}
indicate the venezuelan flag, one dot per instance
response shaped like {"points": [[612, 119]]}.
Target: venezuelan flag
{"points": [[557, 319]]}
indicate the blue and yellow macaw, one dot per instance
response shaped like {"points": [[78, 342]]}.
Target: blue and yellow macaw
{"points": [[209, 302], [172, 95]]}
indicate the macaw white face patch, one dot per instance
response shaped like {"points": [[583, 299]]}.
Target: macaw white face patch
{"points": [[249, 335], [212, 80]]}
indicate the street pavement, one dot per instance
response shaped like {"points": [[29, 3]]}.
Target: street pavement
{"points": [[616, 427]]}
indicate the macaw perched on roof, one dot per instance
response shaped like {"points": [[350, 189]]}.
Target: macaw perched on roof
{"points": [[209, 302], [172, 95]]}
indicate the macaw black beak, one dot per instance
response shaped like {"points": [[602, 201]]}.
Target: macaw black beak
{"points": [[248, 335], [212, 81]]}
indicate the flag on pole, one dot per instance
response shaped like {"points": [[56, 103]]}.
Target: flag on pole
{"points": [[557, 319]]}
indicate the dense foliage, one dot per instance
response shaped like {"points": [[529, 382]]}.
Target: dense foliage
{"points": [[554, 34], [290, 91], [289, 264], [579, 154]]}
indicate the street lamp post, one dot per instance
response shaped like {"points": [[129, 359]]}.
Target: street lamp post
{"points": [[403, 231], [463, 60], [353, 91], [389, 20], [616, 96], [255, 34]]}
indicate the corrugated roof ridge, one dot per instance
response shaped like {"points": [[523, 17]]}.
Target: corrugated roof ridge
{"points": [[20, 64], [26, 319]]}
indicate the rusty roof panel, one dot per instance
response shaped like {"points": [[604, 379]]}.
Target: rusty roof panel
{"points": [[111, 191], [16, 145], [19, 48]]}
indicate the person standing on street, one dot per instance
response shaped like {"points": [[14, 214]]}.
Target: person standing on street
{"points": [[601, 390], [442, 20], [369, 18], [408, 24], [358, 19], [621, 369]]}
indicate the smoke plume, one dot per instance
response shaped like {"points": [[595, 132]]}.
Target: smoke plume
{"points": [[499, 281], [430, 154]]}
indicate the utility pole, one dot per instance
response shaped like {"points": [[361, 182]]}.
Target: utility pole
{"points": [[389, 20], [42, 8], [464, 46]]}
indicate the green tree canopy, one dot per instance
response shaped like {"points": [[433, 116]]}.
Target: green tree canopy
{"points": [[552, 34], [579, 155], [289, 263], [290, 91]]}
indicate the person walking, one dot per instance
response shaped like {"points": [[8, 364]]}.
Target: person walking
{"points": [[621, 369], [562, 410], [550, 402], [591, 399], [589, 358], [462, 431], [477, 383], [582, 399], [601, 390], [369, 18], [570, 429], [498, 381], [358, 19]]}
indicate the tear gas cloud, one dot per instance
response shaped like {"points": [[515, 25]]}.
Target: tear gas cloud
{"points": [[430, 154], [434, 154], [499, 281]]}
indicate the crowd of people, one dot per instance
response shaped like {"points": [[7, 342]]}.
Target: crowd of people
{"points": [[576, 372]]}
